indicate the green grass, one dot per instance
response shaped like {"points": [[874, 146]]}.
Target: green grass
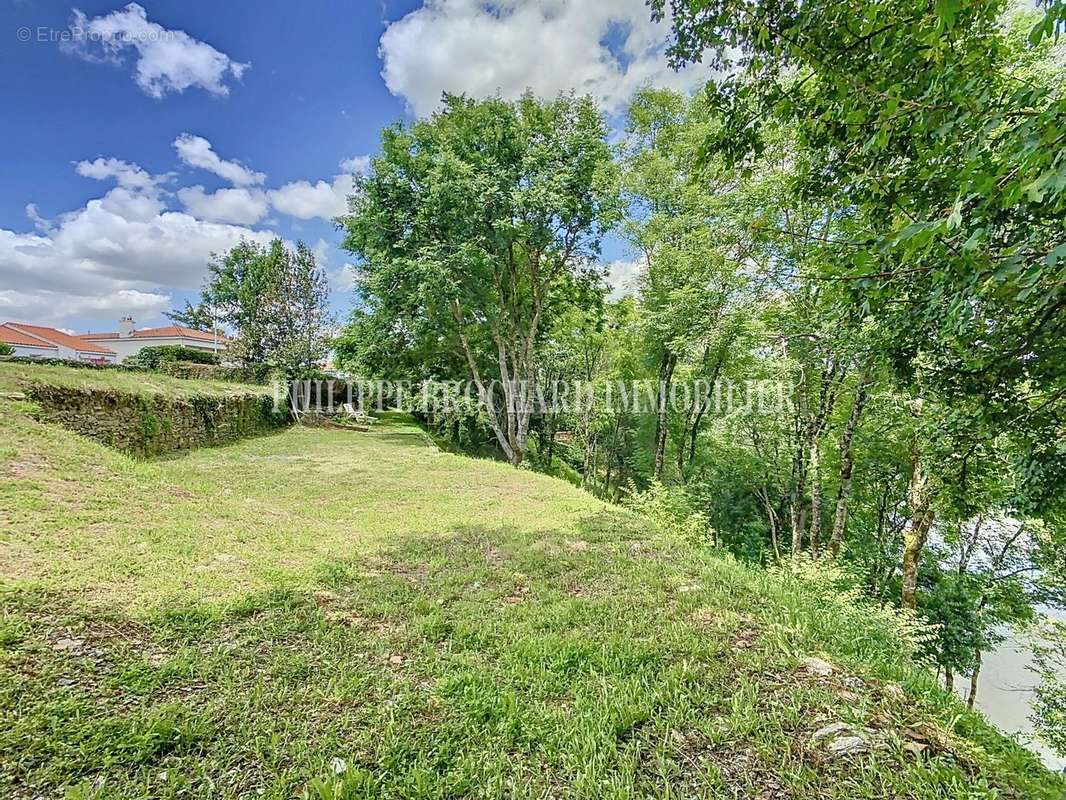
{"points": [[15, 376], [331, 614]]}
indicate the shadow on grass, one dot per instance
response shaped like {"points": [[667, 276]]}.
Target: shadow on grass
{"points": [[478, 661]]}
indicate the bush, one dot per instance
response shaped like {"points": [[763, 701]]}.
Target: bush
{"points": [[194, 371], [59, 362], [672, 509], [6, 349], [155, 357]]}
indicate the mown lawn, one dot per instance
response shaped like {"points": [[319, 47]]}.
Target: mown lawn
{"points": [[15, 375], [330, 614]]}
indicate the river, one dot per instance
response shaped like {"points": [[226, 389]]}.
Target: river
{"points": [[1005, 692]]}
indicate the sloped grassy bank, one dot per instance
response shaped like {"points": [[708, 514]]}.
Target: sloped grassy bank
{"points": [[332, 614], [144, 414]]}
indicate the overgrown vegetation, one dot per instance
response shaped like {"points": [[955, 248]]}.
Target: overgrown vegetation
{"points": [[274, 298], [847, 330], [155, 357], [329, 614]]}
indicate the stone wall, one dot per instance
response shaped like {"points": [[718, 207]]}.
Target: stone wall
{"points": [[156, 424]]}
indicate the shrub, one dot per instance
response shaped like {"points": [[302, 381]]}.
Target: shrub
{"points": [[60, 362], [672, 509], [155, 357], [6, 349]]}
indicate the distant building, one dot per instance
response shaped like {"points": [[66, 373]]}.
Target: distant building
{"points": [[129, 341], [38, 341]]}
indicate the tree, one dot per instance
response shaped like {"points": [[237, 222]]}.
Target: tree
{"points": [[680, 219], [474, 228], [198, 317], [944, 127], [298, 310], [6, 349], [275, 299], [1049, 714]]}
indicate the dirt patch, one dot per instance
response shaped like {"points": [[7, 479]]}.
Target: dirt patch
{"points": [[25, 468], [741, 771], [493, 556], [412, 573]]}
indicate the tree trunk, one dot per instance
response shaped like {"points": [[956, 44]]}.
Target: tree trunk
{"points": [[917, 532], [612, 453], [971, 698], [702, 408], [831, 380], [662, 401], [815, 470], [847, 464], [796, 497], [949, 679], [798, 489], [771, 516]]}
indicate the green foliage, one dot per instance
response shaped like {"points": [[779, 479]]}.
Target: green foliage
{"points": [[276, 299], [1049, 713], [199, 317], [672, 510], [940, 127], [475, 229], [843, 604], [153, 358], [6, 349]]}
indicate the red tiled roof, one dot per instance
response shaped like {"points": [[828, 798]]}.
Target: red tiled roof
{"points": [[166, 331], [15, 336], [55, 337]]}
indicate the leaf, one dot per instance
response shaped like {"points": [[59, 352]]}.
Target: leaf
{"points": [[1035, 190], [946, 9]]}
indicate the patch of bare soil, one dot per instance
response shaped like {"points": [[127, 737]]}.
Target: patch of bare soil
{"points": [[25, 468], [337, 609], [742, 769], [413, 573]]}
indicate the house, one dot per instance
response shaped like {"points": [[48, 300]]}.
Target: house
{"points": [[38, 341], [129, 341]]}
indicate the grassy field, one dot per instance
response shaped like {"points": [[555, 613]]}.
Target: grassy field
{"points": [[332, 614], [14, 376]]}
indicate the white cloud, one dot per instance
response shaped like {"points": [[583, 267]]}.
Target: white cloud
{"points": [[606, 48], [242, 206], [127, 250], [39, 222], [622, 278], [167, 60], [49, 307], [113, 254], [196, 151], [305, 200], [344, 279], [125, 174], [356, 165]]}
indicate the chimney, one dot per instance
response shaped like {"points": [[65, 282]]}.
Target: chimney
{"points": [[125, 327]]}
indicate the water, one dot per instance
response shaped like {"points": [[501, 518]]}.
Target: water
{"points": [[1005, 692]]}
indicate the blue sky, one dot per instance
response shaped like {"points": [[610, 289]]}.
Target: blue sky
{"points": [[139, 138]]}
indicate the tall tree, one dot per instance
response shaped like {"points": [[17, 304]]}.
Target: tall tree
{"points": [[945, 123], [298, 310], [694, 267], [199, 317], [475, 227], [275, 301]]}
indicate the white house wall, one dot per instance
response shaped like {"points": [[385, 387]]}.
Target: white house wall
{"points": [[34, 352], [124, 348]]}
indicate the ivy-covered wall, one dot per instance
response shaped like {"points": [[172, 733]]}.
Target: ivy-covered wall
{"points": [[156, 424]]}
